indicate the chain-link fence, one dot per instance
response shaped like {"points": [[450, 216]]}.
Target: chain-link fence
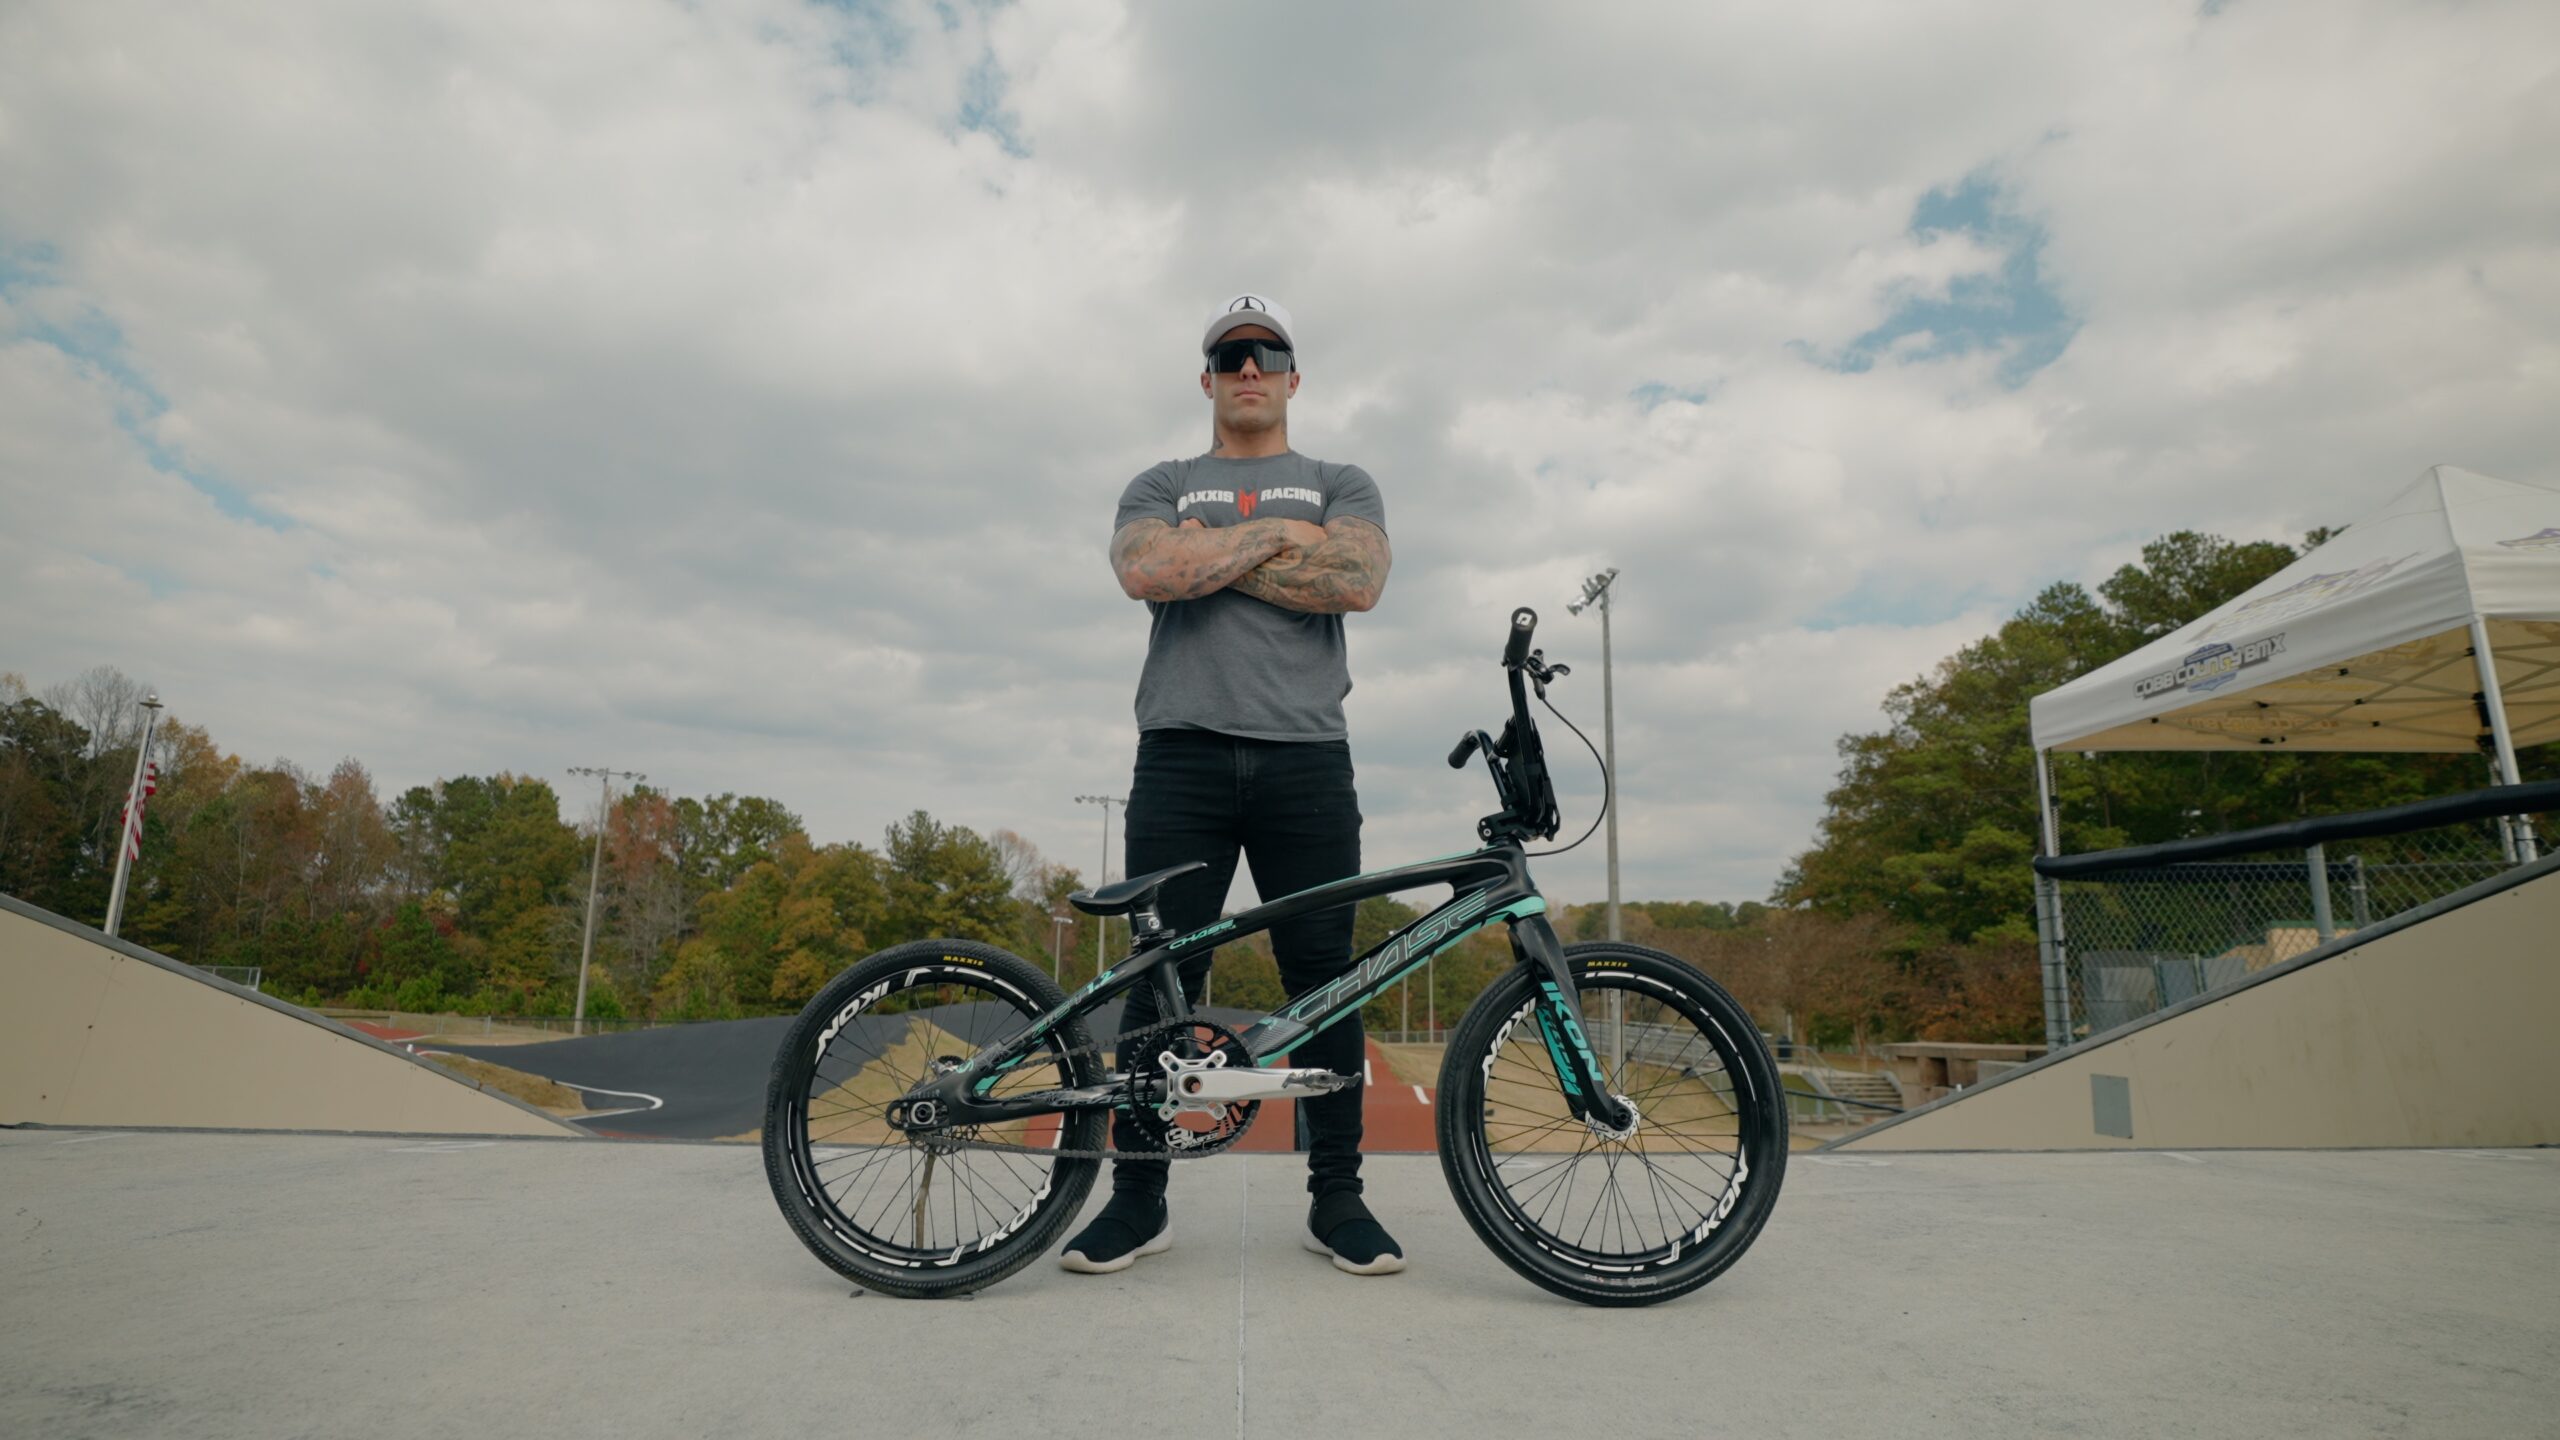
{"points": [[2135, 938]]}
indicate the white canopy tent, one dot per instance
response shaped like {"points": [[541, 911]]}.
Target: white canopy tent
{"points": [[2377, 640], [2431, 624]]}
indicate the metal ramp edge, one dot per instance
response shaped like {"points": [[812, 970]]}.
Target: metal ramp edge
{"points": [[2343, 945], [20, 1065]]}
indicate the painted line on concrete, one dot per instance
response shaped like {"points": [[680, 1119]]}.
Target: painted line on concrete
{"points": [[85, 1139], [1418, 1095], [1244, 1257], [2486, 1154], [444, 1147], [2174, 1155], [1861, 1162], [654, 1102]]}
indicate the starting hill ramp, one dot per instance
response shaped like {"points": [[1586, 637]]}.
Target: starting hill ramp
{"points": [[95, 1031], [2431, 1029]]}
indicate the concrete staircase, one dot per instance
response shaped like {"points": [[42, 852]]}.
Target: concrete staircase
{"points": [[1868, 1088]]}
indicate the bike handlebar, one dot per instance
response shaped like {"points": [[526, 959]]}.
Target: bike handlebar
{"points": [[1517, 760], [1524, 624]]}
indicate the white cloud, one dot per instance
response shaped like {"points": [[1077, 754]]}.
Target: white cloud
{"points": [[694, 389]]}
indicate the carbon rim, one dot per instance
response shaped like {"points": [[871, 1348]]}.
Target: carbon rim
{"points": [[893, 1200], [1619, 1207]]}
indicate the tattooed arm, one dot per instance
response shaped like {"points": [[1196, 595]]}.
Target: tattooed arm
{"points": [[1156, 561], [1348, 571]]}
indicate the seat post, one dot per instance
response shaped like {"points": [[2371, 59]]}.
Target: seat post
{"points": [[1147, 928], [1171, 1003]]}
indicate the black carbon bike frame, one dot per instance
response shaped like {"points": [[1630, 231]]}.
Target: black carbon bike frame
{"points": [[1491, 887]]}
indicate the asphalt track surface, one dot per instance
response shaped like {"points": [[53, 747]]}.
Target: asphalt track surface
{"points": [[709, 1078], [235, 1285]]}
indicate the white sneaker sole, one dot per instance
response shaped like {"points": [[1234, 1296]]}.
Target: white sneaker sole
{"points": [[1075, 1260], [1383, 1265]]}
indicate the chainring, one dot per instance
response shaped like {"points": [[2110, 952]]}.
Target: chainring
{"points": [[1174, 1136]]}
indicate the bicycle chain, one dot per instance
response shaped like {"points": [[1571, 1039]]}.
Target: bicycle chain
{"points": [[953, 1140]]}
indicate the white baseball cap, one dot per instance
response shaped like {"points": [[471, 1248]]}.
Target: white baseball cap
{"points": [[1248, 309]]}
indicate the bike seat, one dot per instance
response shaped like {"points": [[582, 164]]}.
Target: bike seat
{"points": [[1138, 892]]}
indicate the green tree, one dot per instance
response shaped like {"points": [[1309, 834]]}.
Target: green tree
{"points": [[720, 839], [946, 881], [1933, 818], [42, 759], [791, 922]]}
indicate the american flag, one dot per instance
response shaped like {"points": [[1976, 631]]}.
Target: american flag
{"points": [[133, 812]]}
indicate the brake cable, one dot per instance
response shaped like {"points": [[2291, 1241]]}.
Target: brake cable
{"points": [[1606, 789]]}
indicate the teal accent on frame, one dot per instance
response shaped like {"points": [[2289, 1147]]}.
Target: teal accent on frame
{"points": [[1550, 1015], [1206, 931]]}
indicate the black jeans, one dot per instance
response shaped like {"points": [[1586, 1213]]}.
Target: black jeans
{"points": [[1290, 807]]}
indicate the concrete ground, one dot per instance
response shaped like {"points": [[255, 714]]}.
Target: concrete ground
{"points": [[241, 1285]]}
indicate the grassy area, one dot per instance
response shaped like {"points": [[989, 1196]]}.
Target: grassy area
{"points": [[544, 1095], [1415, 1064]]}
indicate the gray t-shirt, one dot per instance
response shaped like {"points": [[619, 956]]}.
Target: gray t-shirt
{"points": [[1227, 661]]}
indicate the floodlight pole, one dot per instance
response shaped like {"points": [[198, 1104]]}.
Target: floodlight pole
{"points": [[129, 834], [1102, 923], [595, 872], [2508, 771], [1058, 925]]}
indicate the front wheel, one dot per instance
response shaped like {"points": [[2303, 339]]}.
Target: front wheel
{"points": [[1628, 1220]]}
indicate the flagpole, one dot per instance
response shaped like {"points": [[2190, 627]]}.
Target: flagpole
{"points": [[129, 836]]}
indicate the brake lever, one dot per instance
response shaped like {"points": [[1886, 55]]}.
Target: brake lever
{"points": [[1540, 672]]}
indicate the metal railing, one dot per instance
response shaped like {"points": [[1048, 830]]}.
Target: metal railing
{"points": [[2129, 932]]}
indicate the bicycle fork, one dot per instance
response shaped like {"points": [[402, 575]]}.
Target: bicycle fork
{"points": [[1559, 1015]]}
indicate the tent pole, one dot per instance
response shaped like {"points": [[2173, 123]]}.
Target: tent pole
{"points": [[2057, 986], [2508, 772], [2506, 823]]}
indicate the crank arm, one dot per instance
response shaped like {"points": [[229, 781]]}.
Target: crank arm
{"points": [[1215, 1089]]}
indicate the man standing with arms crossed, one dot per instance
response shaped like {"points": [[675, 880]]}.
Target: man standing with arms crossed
{"points": [[1248, 557]]}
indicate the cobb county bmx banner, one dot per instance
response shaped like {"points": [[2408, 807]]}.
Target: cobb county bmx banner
{"points": [[2370, 642]]}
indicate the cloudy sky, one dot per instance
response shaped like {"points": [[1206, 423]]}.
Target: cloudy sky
{"points": [[739, 392]]}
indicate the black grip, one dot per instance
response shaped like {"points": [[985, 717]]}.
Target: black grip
{"points": [[1524, 623], [1466, 747]]}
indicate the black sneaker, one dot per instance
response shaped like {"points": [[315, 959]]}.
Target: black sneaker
{"points": [[1129, 1226], [1341, 1226]]}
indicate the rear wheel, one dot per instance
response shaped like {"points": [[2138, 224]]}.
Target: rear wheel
{"points": [[902, 1216], [1608, 1220]]}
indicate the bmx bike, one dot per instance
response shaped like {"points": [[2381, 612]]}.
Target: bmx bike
{"points": [[1609, 1120]]}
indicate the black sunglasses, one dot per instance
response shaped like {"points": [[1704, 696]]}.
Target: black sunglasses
{"points": [[1227, 357]]}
